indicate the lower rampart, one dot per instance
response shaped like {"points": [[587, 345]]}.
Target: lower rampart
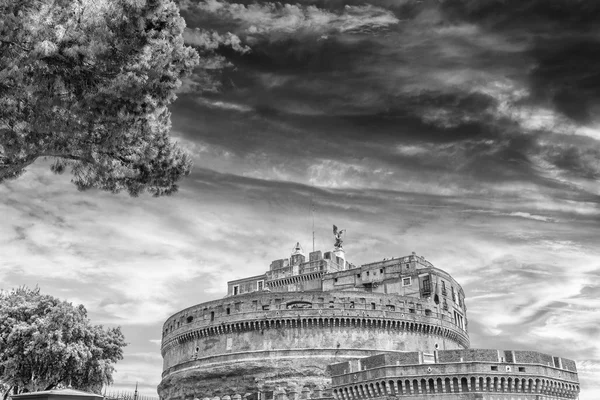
{"points": [[388, 376]]}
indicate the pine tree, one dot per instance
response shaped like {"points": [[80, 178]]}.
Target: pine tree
{"points": [[87, 83]]}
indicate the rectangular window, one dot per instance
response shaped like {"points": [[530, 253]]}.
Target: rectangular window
{"points": [[521, 369], [372, 306], [228, 310], [238, 306], [260, 285], [390, 307], [443, 288], [266, 307], [406, 281], [254, 304], [331, 304], [453, 293], [426, 285], [494, 368], [212, 315], [236, 290], [381, 271], [557, 363]]}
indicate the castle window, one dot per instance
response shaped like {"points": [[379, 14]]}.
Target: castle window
{"points": [[265, 307], [372, 306], [358, 275], [367, 273], [381, 271], [494, 368], [411, 310], [238, 306], [335, 280], [390, 307], [407, 266], [331, 304], [228, 311], [427, 312], [236, 290], [443, 288], [351, 304], [190, 319], [260, 285], [255, 304], [406, 281], [212, 315], [521, 369]]}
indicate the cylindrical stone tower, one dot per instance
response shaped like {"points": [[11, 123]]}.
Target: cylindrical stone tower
{"points": [[283, 328]]}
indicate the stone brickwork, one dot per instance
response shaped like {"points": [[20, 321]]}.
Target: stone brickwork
{"points": [[398, 326], [483, 377]]}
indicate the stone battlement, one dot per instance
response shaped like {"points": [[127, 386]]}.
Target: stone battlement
{"points": [[390, 328], [456, 372], [336, 308]]}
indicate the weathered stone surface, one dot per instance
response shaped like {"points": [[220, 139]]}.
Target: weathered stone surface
{"points": [[277, 333]]}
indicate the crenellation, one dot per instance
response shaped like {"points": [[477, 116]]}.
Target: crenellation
{"points": [[319, 327]]}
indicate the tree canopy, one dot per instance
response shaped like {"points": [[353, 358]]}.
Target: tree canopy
{"points": [[46, 342], [87, 83]]}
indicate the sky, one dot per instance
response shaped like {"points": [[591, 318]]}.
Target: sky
{"points": [[467, 131]]}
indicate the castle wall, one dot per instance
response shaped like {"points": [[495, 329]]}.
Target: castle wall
{"points": [[486, 374], [272, 336]]}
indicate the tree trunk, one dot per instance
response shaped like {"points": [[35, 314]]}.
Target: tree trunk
{"points": [[7, 393]]}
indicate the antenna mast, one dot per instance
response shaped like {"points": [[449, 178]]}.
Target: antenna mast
{"points": [[312, 206]]}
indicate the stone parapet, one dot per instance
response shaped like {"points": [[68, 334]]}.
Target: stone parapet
{"points": [[368, 378], [337, 308]]}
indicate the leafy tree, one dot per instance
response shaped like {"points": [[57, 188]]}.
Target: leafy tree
{"points": [[46, 342], [87, 83]]}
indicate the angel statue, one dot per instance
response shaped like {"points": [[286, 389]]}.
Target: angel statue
{"points": [[338, 237]]}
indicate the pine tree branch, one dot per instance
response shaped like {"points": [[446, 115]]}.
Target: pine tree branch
{"points": [[11, 43]]}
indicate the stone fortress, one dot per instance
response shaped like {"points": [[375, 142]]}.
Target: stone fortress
{"points": [[321, 328]]}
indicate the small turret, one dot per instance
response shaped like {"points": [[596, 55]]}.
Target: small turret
{"points": [[297, 258]]}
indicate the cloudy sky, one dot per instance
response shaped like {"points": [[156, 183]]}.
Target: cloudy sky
{"points": [[467, 131]]}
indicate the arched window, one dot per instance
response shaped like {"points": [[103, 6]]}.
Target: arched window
{"points": [[464, 384]]}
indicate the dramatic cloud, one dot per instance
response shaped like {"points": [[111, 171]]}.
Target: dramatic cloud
{"points": [[277, 19], [464, 130]]}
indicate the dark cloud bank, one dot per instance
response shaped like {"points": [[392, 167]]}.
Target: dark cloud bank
{"points": [[473, 114]]}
